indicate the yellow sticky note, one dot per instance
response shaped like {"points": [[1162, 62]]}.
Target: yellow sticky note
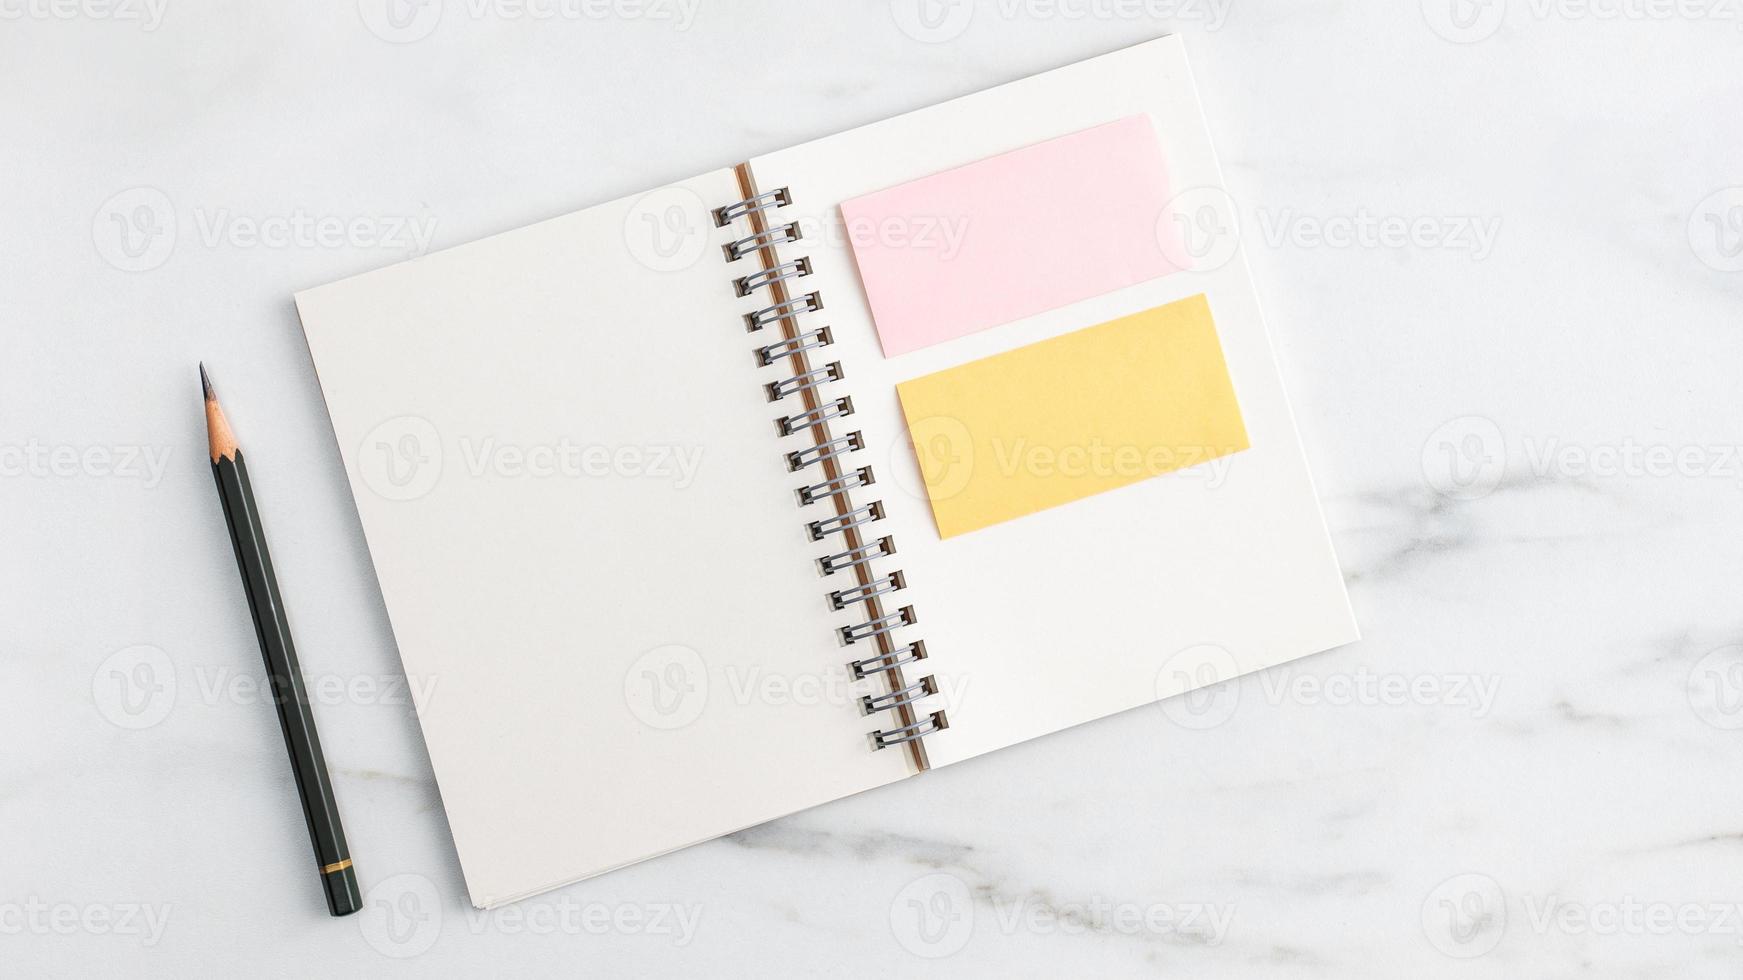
{"points": [[1076, 415]]}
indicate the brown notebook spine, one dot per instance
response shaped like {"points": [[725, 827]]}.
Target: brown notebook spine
{"points": [[854, 571]]}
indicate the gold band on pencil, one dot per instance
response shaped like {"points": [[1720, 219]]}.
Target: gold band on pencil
{"points": [[328, 869]]}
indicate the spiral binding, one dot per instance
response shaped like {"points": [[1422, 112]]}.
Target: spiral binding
{"points": [[763, 239], [835, 486], [796, 269], [808, 303], [855, 555], [804, 382], [858, 517], [913, 652]]}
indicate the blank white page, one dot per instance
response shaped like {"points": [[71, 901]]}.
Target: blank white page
{"points": [[588, 545], [1115, 600]]}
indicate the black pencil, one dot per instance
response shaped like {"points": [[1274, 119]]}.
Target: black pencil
{"points": [[289, 694]]}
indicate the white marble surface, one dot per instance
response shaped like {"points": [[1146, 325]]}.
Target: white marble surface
{"points": [[1525, 439]]}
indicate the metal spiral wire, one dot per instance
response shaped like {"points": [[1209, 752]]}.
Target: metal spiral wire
{"points": [[831, 454]]}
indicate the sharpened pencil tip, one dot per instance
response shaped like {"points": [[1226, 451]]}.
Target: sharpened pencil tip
{"points": [[217, 427]]}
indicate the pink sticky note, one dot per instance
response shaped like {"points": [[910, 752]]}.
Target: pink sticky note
{"points": [[1014, 235]]}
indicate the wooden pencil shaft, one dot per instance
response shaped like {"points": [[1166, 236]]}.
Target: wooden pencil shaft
{"points": [[284, 675]]}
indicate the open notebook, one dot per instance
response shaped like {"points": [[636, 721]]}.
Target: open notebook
{"points": [[804, 476]]}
